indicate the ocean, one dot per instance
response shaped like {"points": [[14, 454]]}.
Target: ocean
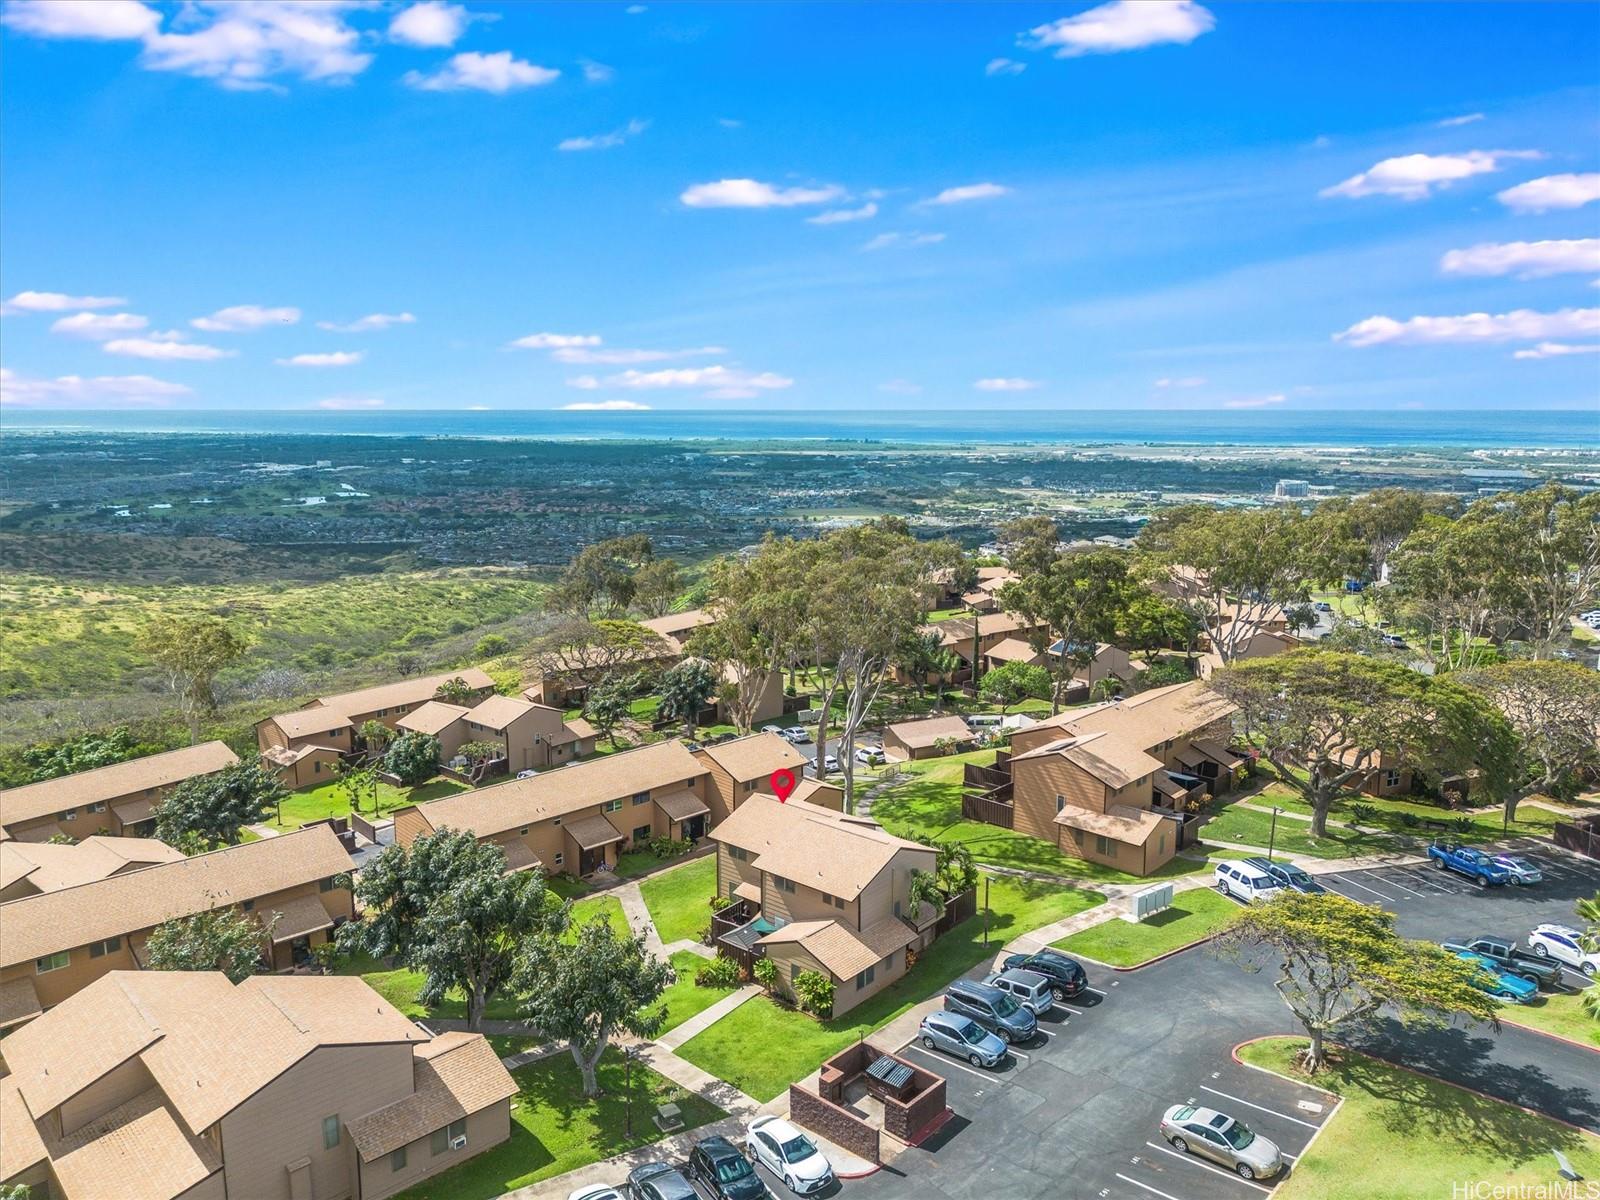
{"points": [[981, 426]]}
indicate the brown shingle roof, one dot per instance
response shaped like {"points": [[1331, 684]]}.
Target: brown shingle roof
{"points": [[571, 731], [107, 783], [844, 951], [818, 847], [304, 722], [681, 804], [593, 832], [404, 691], [679, 625], [336, 1010], [136, 1151], [517, 802], [755, 756], [457, 1074], [20, 1144], [432, 717], [1014, 650], [137, 900], [499, 711], [925, 733], [19, 1000], [1112, 760], [50, 868], [1123, 823]]}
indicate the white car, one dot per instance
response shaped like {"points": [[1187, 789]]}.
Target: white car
{"points": [[1561, 942], [869, 756], [789, 1154], [526, 774], [1245, 882], [596, 1191]]}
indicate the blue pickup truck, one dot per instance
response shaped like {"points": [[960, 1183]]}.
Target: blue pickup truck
{"points": [[1464, 860]]}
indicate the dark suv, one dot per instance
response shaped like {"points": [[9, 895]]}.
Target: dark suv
{"points": [[725, 1172], [1067, 977], [1287, 875], [995, 1010]]}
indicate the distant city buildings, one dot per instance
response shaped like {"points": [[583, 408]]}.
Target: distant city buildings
{"points": [[1292, 489]]}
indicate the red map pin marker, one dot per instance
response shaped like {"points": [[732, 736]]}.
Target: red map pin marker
{"points": [[783, 783]]}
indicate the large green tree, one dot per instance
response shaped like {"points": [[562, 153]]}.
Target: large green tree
{"points": [[1554, 708], [1011, 683], [192, 652], [1328, 720], [581, 651], [585, 991], [1340, 962], [600, 581], [1548, 543], [1446, 580], [413, 758], [1076, 602], [656, 585], [607, 706], [210, 810], [220, 939], [685, 689]]}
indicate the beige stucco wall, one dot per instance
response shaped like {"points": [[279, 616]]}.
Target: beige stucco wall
{"points": [[1035, 784], [485, 1130]]}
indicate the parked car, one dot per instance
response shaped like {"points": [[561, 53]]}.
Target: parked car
{"points": [[1561, 942], [1322, 606], [1519, 870], [1288, 875], [1217, 1136], [830, 763], [717, 1164], [1393, 641], [962, 1037], [1465, 860], [1029, 988], [1244, 882], [995, 1010], [789, 1154], [1509, 957], [526, 774], [1066, 975], [601, 1191], [1504, 985], [976, 721], [871, 756], [659, 1181]]}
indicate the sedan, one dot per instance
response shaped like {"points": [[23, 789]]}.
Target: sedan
{"points": [[1217, 1136], [961, 1037], [596, 1191], [789, 1154], [659, 1181], [1521, 871]]}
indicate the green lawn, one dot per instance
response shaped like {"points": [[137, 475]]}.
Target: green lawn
{"points": [[679, 899], [329, 800], [1194, 914], [505, 1045], [554, 1129], [928, 804], [762, 1047], [1391, 813], [633, 863], [587, 909], [1235, 824], [1400, 1135], [1560, 1013], [683, 999]]}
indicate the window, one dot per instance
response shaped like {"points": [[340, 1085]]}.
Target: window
{"points": [[70, 815], [248, 905], [330, 1132], [838, 902], [782, 884], [326, 885], [557, 821], [738, 854], [559, 857], [53, 962], [642, 797], [100, 949], [1161, 844], [1391, 778], [1061, 801], [316, 767], [642, 833], [440, 1139], [897, 908], [749, 787], [1104, 845], [94, 808], [397, 1160], [865, 978], [523, 832], [611, 806]]}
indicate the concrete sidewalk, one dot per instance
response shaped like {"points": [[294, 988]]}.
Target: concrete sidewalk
{"points": [[638, 916], [701, 1021]]}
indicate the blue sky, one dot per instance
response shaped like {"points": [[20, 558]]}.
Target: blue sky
{"points": [[986, 206]]}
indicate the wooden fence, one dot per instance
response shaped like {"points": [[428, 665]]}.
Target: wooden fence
{"points": [[1581, 836], [957, 909], [990, 812]]}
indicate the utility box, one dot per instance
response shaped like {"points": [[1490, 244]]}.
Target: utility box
{"points": [[1151, 901]]}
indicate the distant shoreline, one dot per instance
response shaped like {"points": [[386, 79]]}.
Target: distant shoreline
{"points": [[1308, 431]]}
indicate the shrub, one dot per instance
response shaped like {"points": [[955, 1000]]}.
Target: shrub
{"points": [[814, 990], [413, 758], [1463, 825], [1363, 813], [1410, 820], [766, 973], [720, 972], [491, 645], [663, 847], [718, 903]]}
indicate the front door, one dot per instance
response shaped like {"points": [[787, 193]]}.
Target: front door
{"points": [[694, 828], [588, 860]]}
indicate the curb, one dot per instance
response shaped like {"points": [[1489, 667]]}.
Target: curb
{"points": [[1555, 1037], [858, 1174]]}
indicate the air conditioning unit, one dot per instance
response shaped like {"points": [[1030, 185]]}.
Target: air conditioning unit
{"points": [[459, 1143]]}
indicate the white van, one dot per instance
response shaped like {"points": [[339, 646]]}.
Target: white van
{"points": [[1244, 882]]}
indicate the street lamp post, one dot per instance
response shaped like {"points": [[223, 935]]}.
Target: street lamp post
{"points": [[627, 1090], [986, 911], [1272, 836]]}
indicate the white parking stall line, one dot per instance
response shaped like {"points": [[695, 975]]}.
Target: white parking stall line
{"points": [[944, 1061], [1364, 888], [1077, 1011], [1015, 1053], [1146, 1187], [1395, 883], [1095, 992], [1196, 1162], [1260, 1107]]}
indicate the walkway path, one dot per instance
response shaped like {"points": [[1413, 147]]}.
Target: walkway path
{"points": [[264, 831], [639, 920], [701, 1021]]}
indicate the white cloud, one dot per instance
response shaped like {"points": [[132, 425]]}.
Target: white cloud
{"points": [[1256, 401], [604, 141], [498, 73], [330, 358], [244, 318], [839, 216], [586, 356], [1004, 66], [99, 20], [351, 402], [371, 323], [1525, 260], [1187, 381], [98, 326], [70, 391], [585, 383], [1122, 25], [885, 241], [32, 302], [1006, 384], [1557, 350], [713, 382], [605, 406], [633, 10], [730, 123], [432, 24], [1551, 192], [1522, 325], [555, 341], [971, 191], [597, 72], [245, 44], [900, 387], [1464, 119], [168, 346], [1416, 176], [752, 193]]}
